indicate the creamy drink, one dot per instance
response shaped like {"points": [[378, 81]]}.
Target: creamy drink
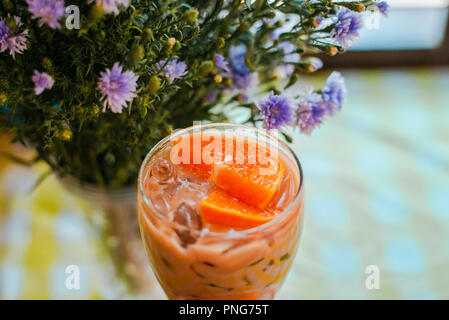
{"points": [[220, 211]]}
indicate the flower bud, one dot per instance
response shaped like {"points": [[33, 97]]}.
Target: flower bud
{"points": [[220, 43], [354, 6], [46, 63], [244, 26], [191, 15], [136, 55], [206, 67], [218, 78], [316, 22], [3, 98], [95, 14], [109, 158], [147, 35], [171, 42], [359, 7], [313, 64], [154, 84], [65, 134], [332, 51]]}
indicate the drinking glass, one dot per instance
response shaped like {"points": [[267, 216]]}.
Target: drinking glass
{"points": [[238, 264]]}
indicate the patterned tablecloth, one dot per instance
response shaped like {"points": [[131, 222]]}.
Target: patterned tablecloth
{"points": [[377, 192]]}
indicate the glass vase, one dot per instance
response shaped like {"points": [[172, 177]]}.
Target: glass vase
{"points": [[118, 225]]}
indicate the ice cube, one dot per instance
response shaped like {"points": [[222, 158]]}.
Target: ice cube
{"points": [[160, 203], [186, 222], [193, 190], [163, 172], [186, 216], [171, 189]]}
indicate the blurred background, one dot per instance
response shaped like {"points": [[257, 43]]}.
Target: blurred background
{"points": [[376, 179]]}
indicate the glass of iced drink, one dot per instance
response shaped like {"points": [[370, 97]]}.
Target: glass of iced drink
{"points": [[220, 212]]}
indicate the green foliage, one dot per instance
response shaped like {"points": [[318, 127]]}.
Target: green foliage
{"points": [[66, 124]]}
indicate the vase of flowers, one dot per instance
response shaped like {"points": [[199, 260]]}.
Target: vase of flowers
{"points": [[92, 85]]}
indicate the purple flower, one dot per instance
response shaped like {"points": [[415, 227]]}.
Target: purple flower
{"points": [[346, 27], [42, 81], [275, 34], [211, 96], [221, 63], [286, 70], [286, 47], [111, 6], [310, 112], [117, 88], [383, 7], [239, 73], [334, 93], [16, 43], [172, 69], [276, 111], [237, 58], [47, 11]]}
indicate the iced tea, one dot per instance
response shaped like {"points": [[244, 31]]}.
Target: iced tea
{"points": [[220, 211]]}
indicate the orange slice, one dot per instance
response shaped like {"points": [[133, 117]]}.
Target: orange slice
{"points": [[222, 209], [254, 180]]}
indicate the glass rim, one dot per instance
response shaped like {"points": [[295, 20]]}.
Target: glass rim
{"points": [[236, 233]]}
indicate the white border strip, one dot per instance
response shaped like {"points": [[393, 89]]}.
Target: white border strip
{"points": [[418, 3]]}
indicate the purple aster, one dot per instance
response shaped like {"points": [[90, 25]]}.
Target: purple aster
{"points": [[383, 7], [172, 69], [42, 81], [47, 11], [346, 27], [112, 6], [221, 63], [276, 111], [16, 43], [239, 73], [117, 88], [334, 93], [310, 112]]}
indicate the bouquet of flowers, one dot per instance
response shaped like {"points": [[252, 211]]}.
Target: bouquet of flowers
{"points": [[92, 85]]}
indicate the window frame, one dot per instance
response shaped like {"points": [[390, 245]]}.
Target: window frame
{"points": [[391, 58]]}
